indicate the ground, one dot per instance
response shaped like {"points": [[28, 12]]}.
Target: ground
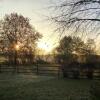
{"points": [[32, 87]]}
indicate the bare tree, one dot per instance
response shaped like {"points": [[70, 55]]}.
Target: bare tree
{"points": [[82, 16]]}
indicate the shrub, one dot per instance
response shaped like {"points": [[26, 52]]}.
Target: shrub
{"points": [[75, 74], [64, 70], [89, 74]]}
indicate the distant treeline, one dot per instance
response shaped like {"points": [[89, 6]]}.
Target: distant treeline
{"points": [[51, 58]]}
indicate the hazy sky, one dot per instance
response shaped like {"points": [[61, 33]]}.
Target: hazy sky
{"points": [[35, 10]]}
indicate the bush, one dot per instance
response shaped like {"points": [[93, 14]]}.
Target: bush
{"points": [[64, 68], [89, 74], [65, 74], [75, 74], [71, 70]]}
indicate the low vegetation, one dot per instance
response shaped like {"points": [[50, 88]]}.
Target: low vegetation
{"points": [[31, 87]]}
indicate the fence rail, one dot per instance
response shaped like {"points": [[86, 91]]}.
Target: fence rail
{"points": [[46, 69]]}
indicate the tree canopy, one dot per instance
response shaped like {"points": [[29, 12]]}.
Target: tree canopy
{"points": [[16, 30], [71, 47], [18, 35]]}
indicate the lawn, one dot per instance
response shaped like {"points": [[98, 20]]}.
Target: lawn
{"points": [[32, 87]]}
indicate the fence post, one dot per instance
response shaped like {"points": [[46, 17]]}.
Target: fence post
{"points": [[58, 71], [0, 68], [37, 69]]}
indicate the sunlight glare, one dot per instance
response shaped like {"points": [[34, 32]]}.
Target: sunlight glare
{"points": [[47, 47]]}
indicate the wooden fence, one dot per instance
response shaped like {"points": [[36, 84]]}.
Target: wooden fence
{"points": [[46, 69]]}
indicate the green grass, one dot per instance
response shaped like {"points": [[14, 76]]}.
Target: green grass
{"points": [[31, 87]]}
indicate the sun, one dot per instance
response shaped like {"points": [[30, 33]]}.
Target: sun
{"points": [[47, 47], [17, 47]]}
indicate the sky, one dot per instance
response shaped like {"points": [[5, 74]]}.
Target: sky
{"points": [[36, 11]]}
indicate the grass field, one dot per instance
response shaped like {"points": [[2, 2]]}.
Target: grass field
{"points": [[32, 87]]}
